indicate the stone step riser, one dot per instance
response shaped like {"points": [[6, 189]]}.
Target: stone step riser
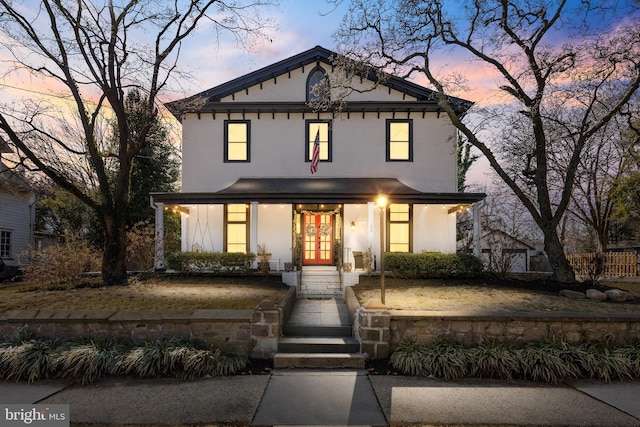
{"points": [[317, 331], [318, 360], [318, 345]]}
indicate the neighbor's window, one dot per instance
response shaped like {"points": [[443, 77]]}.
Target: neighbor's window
{"points": [[5, 244], [399, 228], [237, 228], [236, 141], [399, 140], [323, 130]]}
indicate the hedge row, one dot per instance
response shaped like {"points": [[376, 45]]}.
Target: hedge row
{"points": [[212, 262], [434, 265]]}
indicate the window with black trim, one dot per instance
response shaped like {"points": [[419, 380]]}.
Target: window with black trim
{"points": [[317, 85], [5, 244], [237, 141], [399, 228], [322, 130], [399, 140], [236, 219]]}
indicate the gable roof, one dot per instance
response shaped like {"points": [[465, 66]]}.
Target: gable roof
{"points": [[426, 99]]}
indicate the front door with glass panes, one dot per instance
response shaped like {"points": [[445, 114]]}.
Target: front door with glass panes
{"points": [[318, 239]]}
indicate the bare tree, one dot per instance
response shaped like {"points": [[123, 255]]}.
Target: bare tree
{"points": [[554, 63], [608, 159], [86, 55]]}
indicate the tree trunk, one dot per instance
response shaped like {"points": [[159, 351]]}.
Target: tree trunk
{"points": [[555, 251], [114, 269]]}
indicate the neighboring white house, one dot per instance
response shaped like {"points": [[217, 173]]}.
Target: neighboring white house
{"points": [[247, 154], [17, 212]]}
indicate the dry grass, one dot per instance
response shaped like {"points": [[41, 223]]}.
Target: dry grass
{"points": [[169, 293], [443, 295], [244, 293]]}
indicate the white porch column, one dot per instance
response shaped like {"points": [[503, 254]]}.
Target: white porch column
{"points": [[159, 256], [371, 208], [253, 238], [477, 250]]}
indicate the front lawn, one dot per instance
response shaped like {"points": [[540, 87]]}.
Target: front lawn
{"points": [[480, 295], [177, 292], [152, 293]]}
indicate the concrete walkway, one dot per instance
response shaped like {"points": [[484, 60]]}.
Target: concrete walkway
{"points": [[337, 397]]}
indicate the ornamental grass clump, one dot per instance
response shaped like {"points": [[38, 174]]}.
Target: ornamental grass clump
{"points": [[441, 359], [605, 362], [544, 361], [631, 352], [213, 362], [86, 362], [28, 360], [494, 359], [156, 359], [408, 359]]}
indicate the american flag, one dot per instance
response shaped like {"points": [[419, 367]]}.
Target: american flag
{"points": [[316, 153]]}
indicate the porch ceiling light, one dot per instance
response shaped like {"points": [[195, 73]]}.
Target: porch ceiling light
{"points": [[353, 225], [381, 201]]}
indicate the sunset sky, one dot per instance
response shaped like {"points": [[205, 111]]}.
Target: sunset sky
{"points": [[300, 25]]}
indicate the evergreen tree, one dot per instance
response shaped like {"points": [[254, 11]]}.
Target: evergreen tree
{"points": [[156, 168]]}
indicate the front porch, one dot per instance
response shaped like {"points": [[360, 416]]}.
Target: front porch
{"points": [[315, 222]]}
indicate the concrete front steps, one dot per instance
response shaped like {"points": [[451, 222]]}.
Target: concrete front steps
{"points": [[318, 341]]}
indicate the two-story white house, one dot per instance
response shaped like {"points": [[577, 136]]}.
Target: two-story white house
{"points": [[247, 171]]}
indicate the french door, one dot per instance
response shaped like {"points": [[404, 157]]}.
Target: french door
{"points": [[318, 239]]}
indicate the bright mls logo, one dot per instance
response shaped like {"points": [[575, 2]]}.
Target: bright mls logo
{"points": [[34, 415]]}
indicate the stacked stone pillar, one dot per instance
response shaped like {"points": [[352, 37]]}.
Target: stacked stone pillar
{"points": [[265, 330], [373, 328]]}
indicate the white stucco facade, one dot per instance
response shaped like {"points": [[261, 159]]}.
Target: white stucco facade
{"points": [[276, 185]]}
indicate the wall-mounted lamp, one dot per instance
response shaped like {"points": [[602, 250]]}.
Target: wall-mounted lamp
{"points": [[353, 226]]}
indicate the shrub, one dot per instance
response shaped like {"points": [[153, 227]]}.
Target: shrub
{"points": [[141, 247], [433, 265], [63, 261], [215, 262]]}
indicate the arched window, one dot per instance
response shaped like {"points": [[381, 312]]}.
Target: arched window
{"points": [[317, 87]]}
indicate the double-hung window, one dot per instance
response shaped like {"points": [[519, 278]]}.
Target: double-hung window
{"points": [[236, 228], [399, 228], [5, 244], [320, 129], [399, 140], [237, 141]]}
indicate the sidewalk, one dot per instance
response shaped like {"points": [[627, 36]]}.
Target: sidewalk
{"points": [[336, 397]]}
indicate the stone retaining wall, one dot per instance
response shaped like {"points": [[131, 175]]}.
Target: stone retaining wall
{"points": [[471, 329], [380, 331], [208, 326], [255, 332]]}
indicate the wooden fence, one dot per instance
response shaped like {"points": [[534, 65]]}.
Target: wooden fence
{"points": [[609, 264]]}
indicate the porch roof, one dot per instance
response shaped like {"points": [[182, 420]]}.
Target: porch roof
{"points": [[316, 190]]}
